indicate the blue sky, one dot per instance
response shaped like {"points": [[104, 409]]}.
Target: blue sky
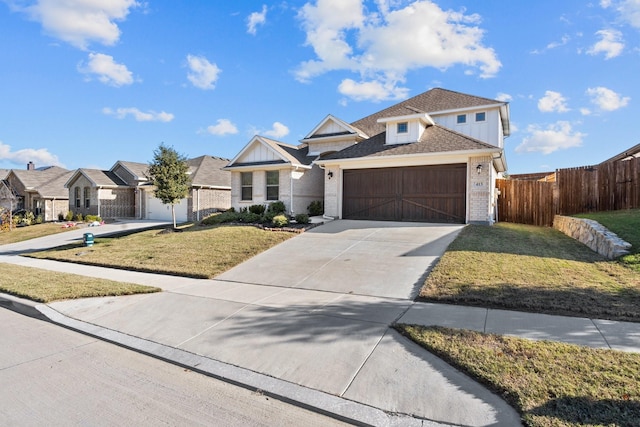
{"points": [[86, 83]]}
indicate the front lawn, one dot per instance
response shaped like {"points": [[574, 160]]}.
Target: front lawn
{"points": [[46, 286], [527, 268], [196, 251], [626, 224], [20, 234], [549, 383]]}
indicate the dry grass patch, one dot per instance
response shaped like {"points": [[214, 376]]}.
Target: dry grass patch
{"points": [[550, 384], [520, 267], [196, 251], [46, 286], [20, 234]]}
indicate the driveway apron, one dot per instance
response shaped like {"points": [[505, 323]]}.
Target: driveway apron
{"points": [[384, 259]]}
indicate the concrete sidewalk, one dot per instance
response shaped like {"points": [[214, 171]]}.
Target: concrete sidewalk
{"points": [[328, 349]]}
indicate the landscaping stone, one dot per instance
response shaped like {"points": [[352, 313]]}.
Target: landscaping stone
{"points": [[593, 234]]}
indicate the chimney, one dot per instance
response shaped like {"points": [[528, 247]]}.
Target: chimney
{"points": [[31, 166]]}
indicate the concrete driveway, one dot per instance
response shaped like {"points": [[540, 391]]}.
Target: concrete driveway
{"points": [[372, 258]]}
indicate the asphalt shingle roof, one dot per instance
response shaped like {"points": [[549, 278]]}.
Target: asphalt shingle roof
{"points": [[206, 171], [435, 139], [431, 101]]}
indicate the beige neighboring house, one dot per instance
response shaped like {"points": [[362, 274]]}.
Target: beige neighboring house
{"points": [[125, 191], [430, 158], [40, 190]]}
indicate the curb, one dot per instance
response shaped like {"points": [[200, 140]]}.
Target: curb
{"points": [[316, 401]]}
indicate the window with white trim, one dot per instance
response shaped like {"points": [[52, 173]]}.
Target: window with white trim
{"points": [[76, 194], [461, 119], [402, 127], [246, 185], [87, 197], [273, 185], [481, 117]]}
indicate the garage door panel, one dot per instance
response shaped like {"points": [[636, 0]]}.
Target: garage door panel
{"points": [[420, 193]]}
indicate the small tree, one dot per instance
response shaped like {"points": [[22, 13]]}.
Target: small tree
{"points": [[168, 172]]}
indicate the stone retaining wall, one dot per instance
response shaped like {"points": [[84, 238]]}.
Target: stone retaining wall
{"points": [[593, 234]]}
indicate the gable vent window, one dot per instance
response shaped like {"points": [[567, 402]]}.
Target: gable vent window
{"points": [[461, 119], [403, 127], [87, 197], [246, 183], [273, 185], [481, 117], [76, 196]]}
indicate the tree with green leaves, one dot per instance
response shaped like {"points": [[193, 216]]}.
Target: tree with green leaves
{"points": [[168, 172]]}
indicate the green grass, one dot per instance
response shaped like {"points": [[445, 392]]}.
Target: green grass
{"points": [[46, 286], [20, 234], [527, 268], [626, 224], [201, 252], [550, 384]]}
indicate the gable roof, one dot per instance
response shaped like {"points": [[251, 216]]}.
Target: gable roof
{"points": [[207, 171], [138, 170], [55, 188], [430, 102], [35, 178], [628, 154], [347, 129], [435, 139], [97, 178], [286, 153]]}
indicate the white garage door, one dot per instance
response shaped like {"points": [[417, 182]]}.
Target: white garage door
{"points": [[160, 212]]}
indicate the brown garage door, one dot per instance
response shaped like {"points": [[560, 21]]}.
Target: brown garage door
{"points": [[418, 193]]}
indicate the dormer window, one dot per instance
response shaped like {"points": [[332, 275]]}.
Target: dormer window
{"points": [[403, 127], [461, 119], [481, 117]]}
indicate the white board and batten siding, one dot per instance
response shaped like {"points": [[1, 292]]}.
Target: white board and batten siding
{"points": [[489, 130]]}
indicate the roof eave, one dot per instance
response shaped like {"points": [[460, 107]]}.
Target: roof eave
{"points": [[333, 162]]}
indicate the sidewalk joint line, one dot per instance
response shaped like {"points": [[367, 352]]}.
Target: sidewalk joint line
{"points": [[364, 362], [601, 334], [212, 326]]}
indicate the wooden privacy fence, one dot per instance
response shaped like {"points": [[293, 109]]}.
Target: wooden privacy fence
{"points": [[526, 202], [606, 187]]}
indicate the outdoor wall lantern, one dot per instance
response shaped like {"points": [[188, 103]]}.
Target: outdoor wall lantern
{"points": [[330, 174], [479, 169]]}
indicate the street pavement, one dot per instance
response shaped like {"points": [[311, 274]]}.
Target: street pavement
{"points": [[308, 321]]}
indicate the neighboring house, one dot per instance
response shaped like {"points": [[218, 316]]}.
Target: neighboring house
{"points": [[40, 190], [125, 191], [433, 158]]}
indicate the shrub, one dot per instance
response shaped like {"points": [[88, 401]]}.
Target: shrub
{"points": [[302, 219], [279, 221], [28, 219], [249, 217], [277, 207], [92, 218], [77, 217], [219, 218], [69, 216], [39, 219], [257, 209], [315, 208]]}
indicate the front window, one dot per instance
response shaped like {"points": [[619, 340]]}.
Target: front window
{"points": [[87, 197], [461, 119], [481, 117], [246, 183], [273, 185], [76, 193], [403, 127]]}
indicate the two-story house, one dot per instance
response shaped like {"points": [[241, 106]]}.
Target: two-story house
{"points": [[432, 158]]}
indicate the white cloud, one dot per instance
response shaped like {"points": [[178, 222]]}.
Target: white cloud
{"points": [[606, 99], [553, 102], [278, 131], [557, 136], [372, 91], [39, 156], [107, 70], [563, 41], [203, 74], [610, 44], [139, 116], [504, 97], [79, 22], [256, 19], [222, 127], [629, 10], [383, 46]]}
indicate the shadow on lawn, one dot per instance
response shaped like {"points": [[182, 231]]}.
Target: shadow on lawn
{"points": [[585, 411], [564, 301]]}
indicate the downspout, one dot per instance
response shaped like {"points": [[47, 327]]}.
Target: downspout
{"points": [[291, 191], [198, 204], [99, 203]]}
